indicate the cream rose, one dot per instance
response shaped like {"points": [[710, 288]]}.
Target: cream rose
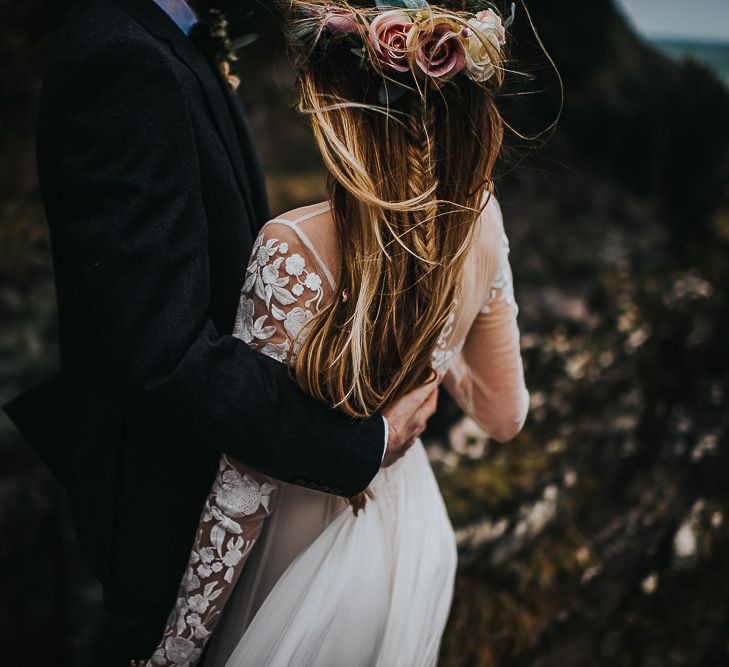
{"points": [[486, 35]]}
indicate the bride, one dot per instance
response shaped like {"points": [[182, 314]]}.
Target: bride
{"points": [[400, 277]]}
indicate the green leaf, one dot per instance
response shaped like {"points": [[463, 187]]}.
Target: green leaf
{"points": [[511, 17], [243, 41], [415, 4], [360, 53], [304, 30], [389, 4], [390, 92]]}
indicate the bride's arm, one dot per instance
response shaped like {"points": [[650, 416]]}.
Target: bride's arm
{"points": [[284, 287], [231, 522], [487, 378]]}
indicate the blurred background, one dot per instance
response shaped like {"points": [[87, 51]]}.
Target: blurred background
{"points": [[600, 534]]}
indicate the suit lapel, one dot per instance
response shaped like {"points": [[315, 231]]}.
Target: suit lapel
{"points": [[250, 155], [217, 93], [161, 25]]}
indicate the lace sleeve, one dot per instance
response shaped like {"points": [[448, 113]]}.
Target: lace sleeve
{"points": [[502, 285], [285, 285], [487, 378], [281, 293], [231, 521]]}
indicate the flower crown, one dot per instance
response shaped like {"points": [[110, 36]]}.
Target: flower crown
{"points": [[411, 35]]}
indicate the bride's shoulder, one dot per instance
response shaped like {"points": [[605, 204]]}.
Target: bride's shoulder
{"points": [[303, 214], [301, 220], [304, 237], [489, 233]]}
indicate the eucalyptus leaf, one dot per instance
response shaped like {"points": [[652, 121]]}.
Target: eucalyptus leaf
{"points": [[360, 53], [243, 41], [511, 17], [390, 4], [304, 30], [390, 92], [415, 4]]}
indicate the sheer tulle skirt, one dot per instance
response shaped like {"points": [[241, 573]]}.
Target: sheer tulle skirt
{"points": [[369, 590]]}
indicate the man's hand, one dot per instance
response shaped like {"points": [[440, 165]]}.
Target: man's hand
{"points": [[407, 418]]}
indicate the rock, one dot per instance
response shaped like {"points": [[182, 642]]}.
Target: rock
{"points": [[649, 585]]}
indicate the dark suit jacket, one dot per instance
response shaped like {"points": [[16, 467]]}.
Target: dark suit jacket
{"points": [[154, 196]]}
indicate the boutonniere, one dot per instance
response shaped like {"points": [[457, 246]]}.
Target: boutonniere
{"points": [[226, 48], [231, 79]]}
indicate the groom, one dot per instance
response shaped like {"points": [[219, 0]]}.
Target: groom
{"points": [[154, 196]]}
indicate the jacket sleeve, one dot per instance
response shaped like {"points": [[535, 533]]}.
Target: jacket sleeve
{"points": [[128, 163]]}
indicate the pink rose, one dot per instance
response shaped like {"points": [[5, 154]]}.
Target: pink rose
{"points": [[340, 21], [440, 49], [388, 36]]}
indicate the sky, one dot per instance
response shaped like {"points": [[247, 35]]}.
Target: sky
{"points": [[694, 19]]}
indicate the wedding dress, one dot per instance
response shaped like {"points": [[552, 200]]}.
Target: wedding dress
{"points": [[323, 587]]}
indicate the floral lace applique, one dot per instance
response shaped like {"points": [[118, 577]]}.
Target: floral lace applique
{"points": [[442, 355], [231, 522], [278, 283], [279, 279], [503, 281]]}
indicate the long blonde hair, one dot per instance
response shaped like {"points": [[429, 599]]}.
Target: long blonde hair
{"points": [[407, 185]]}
